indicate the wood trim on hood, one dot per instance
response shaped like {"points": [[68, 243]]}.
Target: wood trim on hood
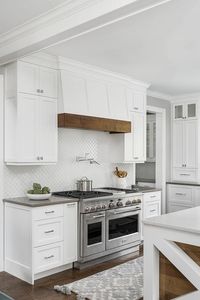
{"points": [[66, 120]]}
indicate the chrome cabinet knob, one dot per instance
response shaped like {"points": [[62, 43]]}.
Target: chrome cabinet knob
{"points": [[128, 202]]}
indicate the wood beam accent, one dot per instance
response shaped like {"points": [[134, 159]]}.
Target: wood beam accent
{"points": [[66, 120]]}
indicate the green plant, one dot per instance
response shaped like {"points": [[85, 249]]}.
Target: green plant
{"points": [[37, 189]]}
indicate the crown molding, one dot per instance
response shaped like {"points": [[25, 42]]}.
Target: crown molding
{"points": [[186, 97], [66, 21], [73, 65], [159, 95]]}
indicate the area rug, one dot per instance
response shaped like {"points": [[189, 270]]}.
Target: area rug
{"points": [[123, 282]]}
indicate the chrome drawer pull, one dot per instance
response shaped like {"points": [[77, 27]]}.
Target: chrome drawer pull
{"points": [[49, 257], [49, 231], [183, 174], [136, 108], [71, 204], [153, 196], [152, 210], [50, 212], [180, 194]]}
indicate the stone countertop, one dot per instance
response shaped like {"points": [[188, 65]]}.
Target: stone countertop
{"points": [[183, 183], [37, 203], [147, 189], [187, 220]]}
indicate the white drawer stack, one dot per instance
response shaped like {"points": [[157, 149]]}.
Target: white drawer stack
{"points": [[48, 237], [40, 241]]}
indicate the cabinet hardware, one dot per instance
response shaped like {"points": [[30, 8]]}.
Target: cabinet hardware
{"points": [[42, 91], [152, 210], [99, 216], [38, 90], [136, 157], [50, 212], [71, 204], [136, 108], [38, 158], [180, 194], [41, 157], [183, 174], [48, 257], [153, 196], [49, 231]]}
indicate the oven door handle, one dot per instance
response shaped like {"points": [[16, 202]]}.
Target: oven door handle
{"points": [[98, 216], [121, 212]]}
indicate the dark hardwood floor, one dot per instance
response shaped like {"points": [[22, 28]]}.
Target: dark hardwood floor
{"points": [[43, 288]]}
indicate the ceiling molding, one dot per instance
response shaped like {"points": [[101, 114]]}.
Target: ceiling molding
{"points": [[159, 95], [67, 21], [186, 97]]}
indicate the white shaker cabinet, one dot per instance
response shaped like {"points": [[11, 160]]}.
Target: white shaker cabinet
{"points": [[30, 117], [185, 147], [185, 111], [136, 101], [40, 239], [135, 142], [36, 80]]}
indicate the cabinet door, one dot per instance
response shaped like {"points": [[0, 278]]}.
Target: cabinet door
{"points": [[139, 136], [191, 144], [178, 144], [136, 101], [70, 232], [47, 129], [97, 98], [27, 129], [74, 93], [48, 82], [28, 78], [191, 110], [179, 111], [117, 102]]}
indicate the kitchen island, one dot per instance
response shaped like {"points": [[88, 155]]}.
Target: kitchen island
{"points": [[172, 256]]}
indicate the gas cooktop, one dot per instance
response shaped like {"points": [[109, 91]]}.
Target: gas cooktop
{"points": [[82, 195], [118, 190]]}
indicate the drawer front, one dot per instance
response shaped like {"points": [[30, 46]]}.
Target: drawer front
{"points": [[48, 212], [180, 194], [173, 207], [48, 257], [47, 231], [184, 175], [152, 209], [152, 196]]}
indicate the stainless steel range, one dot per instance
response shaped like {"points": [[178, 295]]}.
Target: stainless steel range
{"points": [[109, 222]]}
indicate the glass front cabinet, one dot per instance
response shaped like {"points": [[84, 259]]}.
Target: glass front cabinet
{"points": [[182, 111]]}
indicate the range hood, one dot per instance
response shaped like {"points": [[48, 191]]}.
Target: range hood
{"points": [[66, 120]]}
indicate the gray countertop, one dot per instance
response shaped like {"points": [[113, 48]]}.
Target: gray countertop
{"points": [[37, 203]]}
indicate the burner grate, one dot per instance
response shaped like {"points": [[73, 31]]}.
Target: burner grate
{"points": [[82, 195]]}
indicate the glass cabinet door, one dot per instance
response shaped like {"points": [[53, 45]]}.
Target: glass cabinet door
{"points": [[191, 110], [178, 111]]}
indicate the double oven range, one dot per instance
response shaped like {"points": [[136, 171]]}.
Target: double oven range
{"points": [[109, 222]]}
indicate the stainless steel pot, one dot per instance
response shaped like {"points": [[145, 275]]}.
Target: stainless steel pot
{"points": [[84, 185]]}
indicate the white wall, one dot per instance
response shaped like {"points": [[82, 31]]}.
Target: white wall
{"points": [[1, 172], [104, 147]]}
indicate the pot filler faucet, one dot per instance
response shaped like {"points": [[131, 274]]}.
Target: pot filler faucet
{"points": [[91, 160]]}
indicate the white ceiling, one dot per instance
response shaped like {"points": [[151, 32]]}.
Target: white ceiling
{"points": [[16, 12], [160, 46]]}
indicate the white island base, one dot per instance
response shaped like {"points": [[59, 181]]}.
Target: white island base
{"points": [[172, 256]]}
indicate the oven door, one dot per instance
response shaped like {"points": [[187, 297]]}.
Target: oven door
{"points": [[92, 233], [122, 227]]}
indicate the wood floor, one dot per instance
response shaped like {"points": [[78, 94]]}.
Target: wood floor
{"points": [[43, 288]]}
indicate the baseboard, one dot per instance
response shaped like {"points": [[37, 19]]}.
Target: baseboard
{"points": [[53, 271], [18, 270]]}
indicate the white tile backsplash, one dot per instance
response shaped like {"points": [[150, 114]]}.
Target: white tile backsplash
{"points": [[104, 147]]}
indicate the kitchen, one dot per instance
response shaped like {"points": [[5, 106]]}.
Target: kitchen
{"points": [[63, 118]]}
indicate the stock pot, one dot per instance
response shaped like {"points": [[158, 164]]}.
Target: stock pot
{"points": [[84, 184]]}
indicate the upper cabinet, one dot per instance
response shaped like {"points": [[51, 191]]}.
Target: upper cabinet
{"points": [[117, 101], [36, 80], [136, 100], [30, 114], [182, 111], [185, 143]]}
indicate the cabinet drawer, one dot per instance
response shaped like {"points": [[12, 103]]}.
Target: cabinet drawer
{"points": [[184, 175], [152, 196], [48, 257], [152, 209], [48, 212], [180, 194], [47, 231], [173, 207]]}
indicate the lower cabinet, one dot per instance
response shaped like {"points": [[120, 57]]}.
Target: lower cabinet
{"points": [[39, 241], [151, 205], [181, 197]]}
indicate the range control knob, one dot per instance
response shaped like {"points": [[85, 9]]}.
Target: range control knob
{"points": [[128, 202], [87, 209], [138, 200], [119, 203], [134, 201], [98, 207], [103, 206], [92, 209], [111, 204]]}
